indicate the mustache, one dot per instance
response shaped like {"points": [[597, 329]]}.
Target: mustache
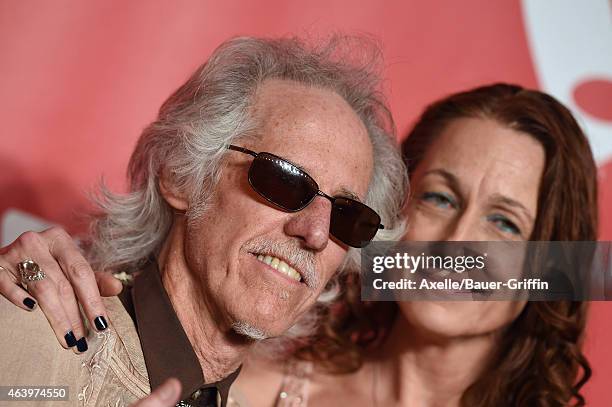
{"points": [[303, 261]]}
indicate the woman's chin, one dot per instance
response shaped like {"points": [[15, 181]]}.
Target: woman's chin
{"points": [[440, 320]]}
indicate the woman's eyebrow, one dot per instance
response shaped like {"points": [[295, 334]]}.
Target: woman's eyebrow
{"points": [[450, 178], [502, 199]]}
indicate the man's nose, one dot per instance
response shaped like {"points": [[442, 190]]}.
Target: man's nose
{"points": [[311, 224]]}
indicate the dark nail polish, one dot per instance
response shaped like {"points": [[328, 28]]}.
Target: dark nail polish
{"points": [[100, 323], [30, 303], [70, 339], [82, 345]]}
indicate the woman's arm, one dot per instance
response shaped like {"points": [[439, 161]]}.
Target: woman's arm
{"points": [[68, 282]]}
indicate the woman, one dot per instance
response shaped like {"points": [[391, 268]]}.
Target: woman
{"points": [[493, 163]]}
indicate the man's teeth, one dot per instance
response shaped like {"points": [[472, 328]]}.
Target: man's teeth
{"points": [[280, 265]]}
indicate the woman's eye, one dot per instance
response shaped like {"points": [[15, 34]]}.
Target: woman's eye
{"points": [[438, 199], [504, 224]]}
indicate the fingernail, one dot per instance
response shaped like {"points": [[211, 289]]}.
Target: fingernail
{"points": [[82, 345], [100, 323], [29, 302], [70, 339]]}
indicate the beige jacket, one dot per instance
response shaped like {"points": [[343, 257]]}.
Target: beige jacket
{"points": [[111, 373]]}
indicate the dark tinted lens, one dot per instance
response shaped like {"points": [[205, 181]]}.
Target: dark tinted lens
{"points": [[281, 182], [353, 222]]}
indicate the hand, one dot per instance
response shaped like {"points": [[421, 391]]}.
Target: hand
{"points": [[68, 278], [166, 395]]}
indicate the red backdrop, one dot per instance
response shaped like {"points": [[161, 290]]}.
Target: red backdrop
{"points": [[79, 81]]}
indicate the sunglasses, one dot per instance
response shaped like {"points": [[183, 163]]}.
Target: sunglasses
{"points": [[287, 186]]}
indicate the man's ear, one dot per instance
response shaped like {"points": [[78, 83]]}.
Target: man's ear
{"points": [[171, 194]]}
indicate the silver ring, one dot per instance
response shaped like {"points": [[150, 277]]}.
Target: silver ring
{"points": [[30, 271]]}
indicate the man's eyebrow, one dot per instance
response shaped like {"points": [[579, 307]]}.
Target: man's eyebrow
{"points": [[298, 166], [287, 162], [343, 191], [347, 193], [502, 199]]}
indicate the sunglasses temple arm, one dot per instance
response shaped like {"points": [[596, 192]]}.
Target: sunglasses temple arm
{"points": [[242, 150]]}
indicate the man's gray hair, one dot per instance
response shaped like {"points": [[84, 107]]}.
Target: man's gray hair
{"points": [[212, 110]]}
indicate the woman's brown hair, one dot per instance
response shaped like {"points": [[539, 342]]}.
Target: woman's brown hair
{"points": [[539, 361]]}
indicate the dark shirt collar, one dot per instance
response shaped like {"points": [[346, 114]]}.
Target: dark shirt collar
{"points": [[165, 346]]}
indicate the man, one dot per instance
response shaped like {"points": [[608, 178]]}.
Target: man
{"points": [[246, 196]]}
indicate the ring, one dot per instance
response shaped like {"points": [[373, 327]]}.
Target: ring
{"points": [[30, 271]]}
